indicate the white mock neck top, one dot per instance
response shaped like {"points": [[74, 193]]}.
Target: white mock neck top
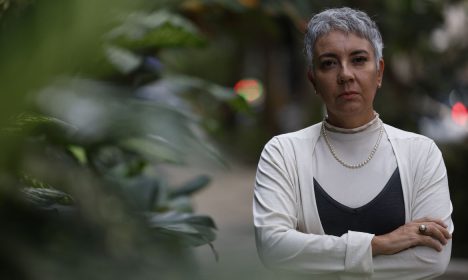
{"points": [[354, 187]]}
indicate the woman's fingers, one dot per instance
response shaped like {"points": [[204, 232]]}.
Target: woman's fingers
{"points": [[436, 232], [426, 219], [430, 242]]}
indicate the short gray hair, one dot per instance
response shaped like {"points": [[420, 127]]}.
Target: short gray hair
{"points": [[344, 19]]}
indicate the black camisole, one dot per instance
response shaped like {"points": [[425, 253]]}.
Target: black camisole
{"points": [[383, 214]]}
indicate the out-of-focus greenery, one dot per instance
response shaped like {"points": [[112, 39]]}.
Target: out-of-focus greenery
{"points": [[88, 114]]}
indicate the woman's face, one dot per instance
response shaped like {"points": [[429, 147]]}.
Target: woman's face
{"points": [[346, 77]]}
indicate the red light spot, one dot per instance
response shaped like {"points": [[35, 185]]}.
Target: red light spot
{"points": [[251, 90], [459, 114]]}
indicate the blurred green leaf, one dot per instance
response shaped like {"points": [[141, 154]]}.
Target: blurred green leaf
{"points": [[234, 6], [30, 181], [174, 90], [172, 217], [116, 161], [158, 29], [46, 197], [141, 192], [79, 153], [27, 121], [101, 112], [192, 229], [180, 228], [184, 85], [155, 148], [125, 61], [180, 204], [189, 188]]}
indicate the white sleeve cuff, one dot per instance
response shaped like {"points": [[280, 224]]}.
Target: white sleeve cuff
{"points": [[359, 253]]}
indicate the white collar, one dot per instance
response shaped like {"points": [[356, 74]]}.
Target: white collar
{"points": [[330, 127]]}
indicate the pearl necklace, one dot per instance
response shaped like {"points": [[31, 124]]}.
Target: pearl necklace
{"points": [[347, 165]]}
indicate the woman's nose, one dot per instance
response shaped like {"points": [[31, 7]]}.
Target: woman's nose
{"points": [[345, 74]]}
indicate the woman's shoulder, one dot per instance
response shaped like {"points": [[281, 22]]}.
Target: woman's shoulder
{"points": [[408, 139], [297, 140], [310, 132], [396, 133]]}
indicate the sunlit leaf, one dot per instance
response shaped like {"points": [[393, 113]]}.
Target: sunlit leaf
{"points": [[79, 153]]}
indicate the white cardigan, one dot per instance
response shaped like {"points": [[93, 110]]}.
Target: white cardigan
{"points": [[288, 230]]}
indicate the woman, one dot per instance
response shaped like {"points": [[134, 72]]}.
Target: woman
{"points": [[351, 197]]}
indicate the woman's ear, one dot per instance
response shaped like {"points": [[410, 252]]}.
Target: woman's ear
{"points": [[311, 77], [380, 72]]}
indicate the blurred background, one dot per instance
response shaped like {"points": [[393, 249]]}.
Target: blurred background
{"points": [[130, 130]]}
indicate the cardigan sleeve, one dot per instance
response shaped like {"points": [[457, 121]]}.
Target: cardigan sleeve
{"points": [[281, 245], [431, 198]]}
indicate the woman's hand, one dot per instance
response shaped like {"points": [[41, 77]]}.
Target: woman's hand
{"points": [[435, 236]]}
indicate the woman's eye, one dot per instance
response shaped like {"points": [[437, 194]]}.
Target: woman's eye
{"points": [[359, 60], [326, 64]]}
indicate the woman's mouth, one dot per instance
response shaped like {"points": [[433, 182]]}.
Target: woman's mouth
{"points": [[348, 94]]}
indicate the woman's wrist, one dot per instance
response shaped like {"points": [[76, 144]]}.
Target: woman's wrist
{"points": [[376, 244]]}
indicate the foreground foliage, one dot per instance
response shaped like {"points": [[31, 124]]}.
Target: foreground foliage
{"points": [[81, 181]]}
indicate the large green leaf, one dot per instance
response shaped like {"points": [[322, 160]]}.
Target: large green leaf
{"points": [[24, 122], [194, 230], [173, 217], [155, 149], [46, 197], [102, 112], [158, 29], [184, 85], [191, 187], [188, 88]]}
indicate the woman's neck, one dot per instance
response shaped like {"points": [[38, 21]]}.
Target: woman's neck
{"points": [[374, 124], [350, 122]]}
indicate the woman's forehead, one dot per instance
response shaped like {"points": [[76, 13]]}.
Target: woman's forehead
{"points": [[340, 41]]}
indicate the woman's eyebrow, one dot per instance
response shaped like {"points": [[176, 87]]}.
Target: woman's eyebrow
{"points": [[357, 52], [334, 55], [328, 54]]}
